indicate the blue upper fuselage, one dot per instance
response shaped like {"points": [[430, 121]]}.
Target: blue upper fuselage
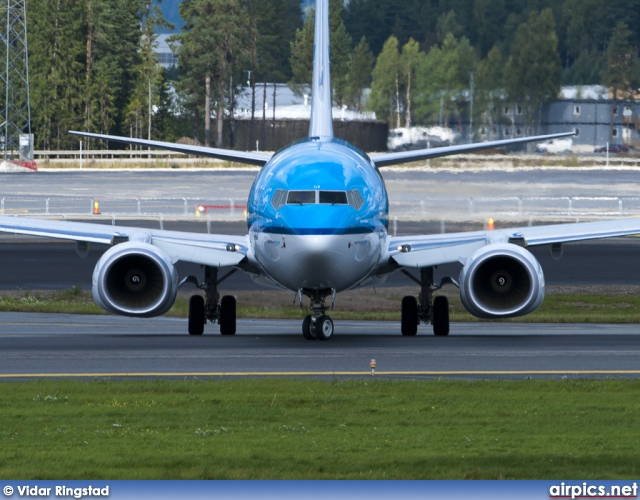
{"points": [[331, 169]]}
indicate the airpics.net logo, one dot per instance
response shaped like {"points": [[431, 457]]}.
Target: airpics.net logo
{"points": [[586, 490]]}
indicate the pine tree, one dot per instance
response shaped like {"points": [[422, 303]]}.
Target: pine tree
{"points": [[211, 43], [532, 74], [489, 90], [111, 56], [359, 76], [302, 53], [340, 59], [164, 128], [448, 25], [56, 50], [146, 72], [622, 73]]}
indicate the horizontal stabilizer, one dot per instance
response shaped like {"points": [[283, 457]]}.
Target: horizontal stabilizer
{"points": [[258, 159], [386, 159]]}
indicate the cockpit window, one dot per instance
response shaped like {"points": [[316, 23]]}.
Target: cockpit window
{"points": [[333, 197], [352, 198], [279, 198], [301, 197], [355, 199]]}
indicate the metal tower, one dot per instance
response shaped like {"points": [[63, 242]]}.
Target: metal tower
{"points": [[16, 140]]}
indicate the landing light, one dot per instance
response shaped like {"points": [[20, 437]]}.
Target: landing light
{"points": [[404, 248], [232, 248]]}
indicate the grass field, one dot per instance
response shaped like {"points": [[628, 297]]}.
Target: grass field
{"points": [[308, 429]]}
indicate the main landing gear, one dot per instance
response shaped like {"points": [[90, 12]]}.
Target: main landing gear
{"points": [[211, 307], [317, 325], [425, 308]]}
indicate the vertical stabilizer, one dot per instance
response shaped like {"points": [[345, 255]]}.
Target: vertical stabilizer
{"points": [[321, 118]]}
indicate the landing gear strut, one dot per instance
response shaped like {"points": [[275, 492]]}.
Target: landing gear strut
{"points": [[211, 307], [317, 325], [425, 308]]}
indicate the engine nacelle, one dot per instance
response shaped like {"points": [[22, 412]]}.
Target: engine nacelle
{"points": [[501, 281], [135, 279]]}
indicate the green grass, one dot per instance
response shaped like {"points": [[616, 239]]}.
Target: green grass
{"points": [[308, 429], [557, 308]]}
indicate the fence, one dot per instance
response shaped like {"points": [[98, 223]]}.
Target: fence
{"points": [[455, 208], [480, 160], [540, 207], [221, 208]]}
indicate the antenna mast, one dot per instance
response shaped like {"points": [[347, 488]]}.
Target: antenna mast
{"points": [[16, 140]]}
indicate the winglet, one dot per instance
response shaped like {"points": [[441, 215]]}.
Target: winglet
{"points": [[321, 124]]}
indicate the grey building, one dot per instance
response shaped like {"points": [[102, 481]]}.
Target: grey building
{"points": [[596, 121], [164, 54], [589, 111]]}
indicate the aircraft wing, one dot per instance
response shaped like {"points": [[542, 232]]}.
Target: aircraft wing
{"points": [[438, 249], [258, 159], [214, 250], [386, 159]]}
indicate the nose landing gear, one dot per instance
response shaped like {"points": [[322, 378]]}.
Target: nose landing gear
{"points": [[317, 325]]}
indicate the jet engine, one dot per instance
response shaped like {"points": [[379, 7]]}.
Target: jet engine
{"points": [[500, 281], [135, 279]]}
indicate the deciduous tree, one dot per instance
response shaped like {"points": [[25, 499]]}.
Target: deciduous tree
{"points": [[384, 99]]}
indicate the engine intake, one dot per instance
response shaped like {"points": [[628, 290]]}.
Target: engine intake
{"points": [[501, 281], [135, 279]]}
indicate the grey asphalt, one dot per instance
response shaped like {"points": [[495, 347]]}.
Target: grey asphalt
{"points": [[58, 345], [417, 193], [400, 182]]}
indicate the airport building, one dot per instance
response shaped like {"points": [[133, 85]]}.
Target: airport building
{"points": [[590, 111], [164, 54]]}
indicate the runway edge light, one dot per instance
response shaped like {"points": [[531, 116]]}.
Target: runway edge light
{"points": [[96, 207], [372, 365]]}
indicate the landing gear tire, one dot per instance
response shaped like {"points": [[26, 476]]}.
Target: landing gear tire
{"points": [[324, 327], [196, 315], [441, 316], [227, 318], [409, 320], [308, 329]]}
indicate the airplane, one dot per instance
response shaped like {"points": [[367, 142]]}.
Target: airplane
{"points": [[317, 217]]}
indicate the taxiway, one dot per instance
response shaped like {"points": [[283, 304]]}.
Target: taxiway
{"points": [[52, 345]]}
